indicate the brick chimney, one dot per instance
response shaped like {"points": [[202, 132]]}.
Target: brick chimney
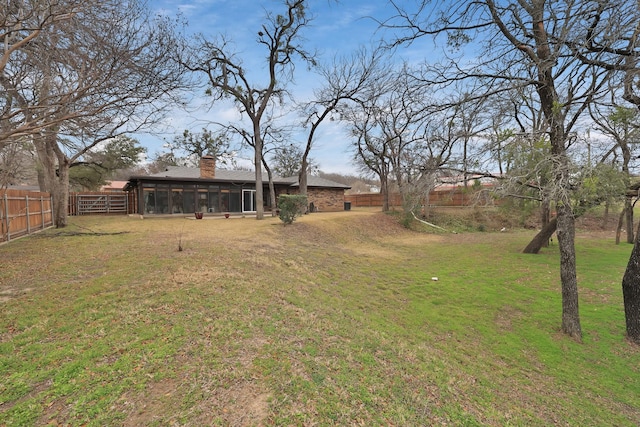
{"points": [[208, 167]]}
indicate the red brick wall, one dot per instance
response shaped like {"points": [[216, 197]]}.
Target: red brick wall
{"points": [[208, 167], [326, 199]]}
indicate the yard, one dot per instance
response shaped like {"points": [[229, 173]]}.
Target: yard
{"points": [[334, 320]]}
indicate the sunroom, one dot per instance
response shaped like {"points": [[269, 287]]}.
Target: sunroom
{"points": [[184, 190]]}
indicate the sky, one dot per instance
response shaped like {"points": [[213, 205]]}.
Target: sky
{"points": [[337, 28]]}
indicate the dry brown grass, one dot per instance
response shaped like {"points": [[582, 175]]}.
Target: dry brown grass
{"points": [[333, 320]]}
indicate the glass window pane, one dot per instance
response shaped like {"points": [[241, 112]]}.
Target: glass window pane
{"points": [[235, 202], [224, 201], [162, 202], [214, 200], [149, 197], [203, 202], [176, 201], [189, 204], [249, 200]]}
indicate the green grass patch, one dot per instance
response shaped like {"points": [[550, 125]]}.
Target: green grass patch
{"points": [[334, 320]]}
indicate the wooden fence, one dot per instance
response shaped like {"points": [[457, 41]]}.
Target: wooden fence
{"points": [[366, 200], [89, 203], [457, 197], [24, 212]]}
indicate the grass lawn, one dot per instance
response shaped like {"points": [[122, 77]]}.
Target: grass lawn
{"points": [[334, 320]]}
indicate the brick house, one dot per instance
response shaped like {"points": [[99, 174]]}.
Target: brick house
{"points": [[182, 190]]}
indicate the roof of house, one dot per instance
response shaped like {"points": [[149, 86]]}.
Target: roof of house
{"points": [[222, 175], [316, 181], [113, 185], [194, 173]]}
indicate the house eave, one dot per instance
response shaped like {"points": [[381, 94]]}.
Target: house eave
{"points": [[346, 187], [136, 179]]}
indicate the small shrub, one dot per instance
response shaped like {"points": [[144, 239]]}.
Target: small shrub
{"points": [[291, 205], [407, 219]]}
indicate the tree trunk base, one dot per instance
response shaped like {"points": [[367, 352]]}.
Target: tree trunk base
{"points": [[631, 294], [540, 240]]}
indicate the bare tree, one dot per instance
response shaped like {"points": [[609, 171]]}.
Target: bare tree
{"points": [[16, 163], [473, 122], [104, 71], [227, 77], [95, 167], [622, 126], [525, 43], [286, 161], [610, 40], [371, 148], [346, 80], [22, 25], [273, 139], [401, 121], [195, 145], [404, 135], [386, 118], [631, 278]]}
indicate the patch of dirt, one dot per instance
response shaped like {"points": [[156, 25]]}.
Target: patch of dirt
{"points": [[242, 404], [506, 316], [78, 233], [150, 406], [318, 229], [201, 396], [10, 293], [377, 226]]}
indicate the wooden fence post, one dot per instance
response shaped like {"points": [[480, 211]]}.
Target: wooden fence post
{"points": [[42, 211], [6, 217], [26, 201]]}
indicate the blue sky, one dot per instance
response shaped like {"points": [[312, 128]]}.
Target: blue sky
{"points": [[337, 28]]}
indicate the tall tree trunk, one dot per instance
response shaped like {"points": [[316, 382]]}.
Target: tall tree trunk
{"points": [[272, 197], [465, 149], [47, 160], [42, 183], [60, 194], [605, 217], [55, 174], [426, 210], [545, 216], [302, 177], [550, 103], [272, 192], [629, 219], [545, 213], [631, 293], [619, 227], [258, 165], [566, 243], [405, 196], [631, 278], [384, 191], [564, 224], [304, 163], [60, 189], [272, 189]]}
